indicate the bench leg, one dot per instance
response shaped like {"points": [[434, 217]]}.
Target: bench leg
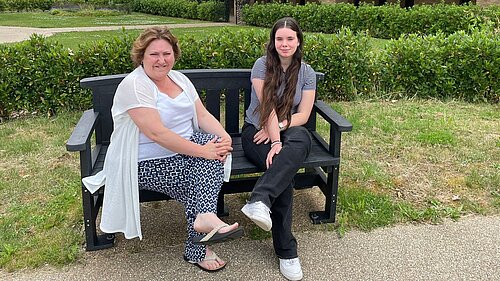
{"points": [[332, 186], [222, 210], [91, 206]]}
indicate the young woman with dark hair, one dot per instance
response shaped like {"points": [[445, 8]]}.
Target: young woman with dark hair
{"points": [[283, 90]]}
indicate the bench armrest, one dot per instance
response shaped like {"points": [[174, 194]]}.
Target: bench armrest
{"points": [[82, 132], [333, 117]]}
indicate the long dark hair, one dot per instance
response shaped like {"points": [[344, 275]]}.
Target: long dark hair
{"points": [[273, 79]]}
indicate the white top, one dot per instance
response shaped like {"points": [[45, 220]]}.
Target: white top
{"points": [[177, 115], [120, 210]]}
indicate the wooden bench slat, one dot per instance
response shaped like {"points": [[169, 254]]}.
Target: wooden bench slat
{"points": [[240, 165]]}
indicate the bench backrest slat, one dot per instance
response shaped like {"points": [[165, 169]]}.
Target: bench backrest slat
{"points": [[220, 85]]}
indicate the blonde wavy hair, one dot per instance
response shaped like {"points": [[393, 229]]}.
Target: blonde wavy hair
{"points": [[149, 35]]}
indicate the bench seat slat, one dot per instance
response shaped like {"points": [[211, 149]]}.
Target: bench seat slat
{"points": [[319, 156]]}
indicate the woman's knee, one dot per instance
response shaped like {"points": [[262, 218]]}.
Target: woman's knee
{"points": [[298, 134], [256, 153], [209, 167], [202, 138]]}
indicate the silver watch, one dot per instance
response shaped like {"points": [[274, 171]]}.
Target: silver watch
{"points": [[281, 126]]}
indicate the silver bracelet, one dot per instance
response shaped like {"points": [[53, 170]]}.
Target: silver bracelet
{"points": [[275, 143]]}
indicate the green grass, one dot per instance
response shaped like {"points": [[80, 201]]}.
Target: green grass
{"points": [[417, 161], [388, 175], [84, 18], [74, 39], [40, 214]]}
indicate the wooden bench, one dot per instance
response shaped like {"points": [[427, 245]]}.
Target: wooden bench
{"points": [[228, 89]]}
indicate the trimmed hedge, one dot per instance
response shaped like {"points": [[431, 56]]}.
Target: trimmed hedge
{"points": [[345, 59], [387, 21], [25, 5], [460, 66], [39, 75], [212, 11], [42, 76], [209, 10], [223, 49]]}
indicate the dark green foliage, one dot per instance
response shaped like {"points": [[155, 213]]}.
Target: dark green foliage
{"points": [[208, 10], [266, 15], [222, 49], [461, 66], [42, 76], [345, 60], [36, 76], [387, 21], [26, 5], [3, 5], [342, 57], [212, 11], [106, 57]]}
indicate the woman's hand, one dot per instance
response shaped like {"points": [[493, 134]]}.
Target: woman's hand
{"points": [[217, 148], [228, 141], [261, 137], [275, 149]]}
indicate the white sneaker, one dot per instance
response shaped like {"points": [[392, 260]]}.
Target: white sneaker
{"points": [[291, 269], [258, 212]]}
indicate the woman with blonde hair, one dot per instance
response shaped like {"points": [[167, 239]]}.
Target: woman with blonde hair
{"points": [[164, 140]]}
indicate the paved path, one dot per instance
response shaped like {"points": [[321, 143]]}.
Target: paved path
{"points": [[17, 34], [465, 250]]}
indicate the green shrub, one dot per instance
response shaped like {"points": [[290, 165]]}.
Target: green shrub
{"points": [[3, 5], [346, 72], [222, 49], [111, 56], [387, 21], [265, 15], [210, 11], [95, 3], [190, 10], [38, 75], [460, 66], [345, 60], [42, 76], [26, 5]]}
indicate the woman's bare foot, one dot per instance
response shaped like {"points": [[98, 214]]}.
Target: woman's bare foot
{"points": [[204, 223], [212, 261]]}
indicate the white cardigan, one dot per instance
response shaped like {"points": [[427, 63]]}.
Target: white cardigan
{"points": [[120, 210]]}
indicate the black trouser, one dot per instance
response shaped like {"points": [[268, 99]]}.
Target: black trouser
{"points": [[275, 187]]}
